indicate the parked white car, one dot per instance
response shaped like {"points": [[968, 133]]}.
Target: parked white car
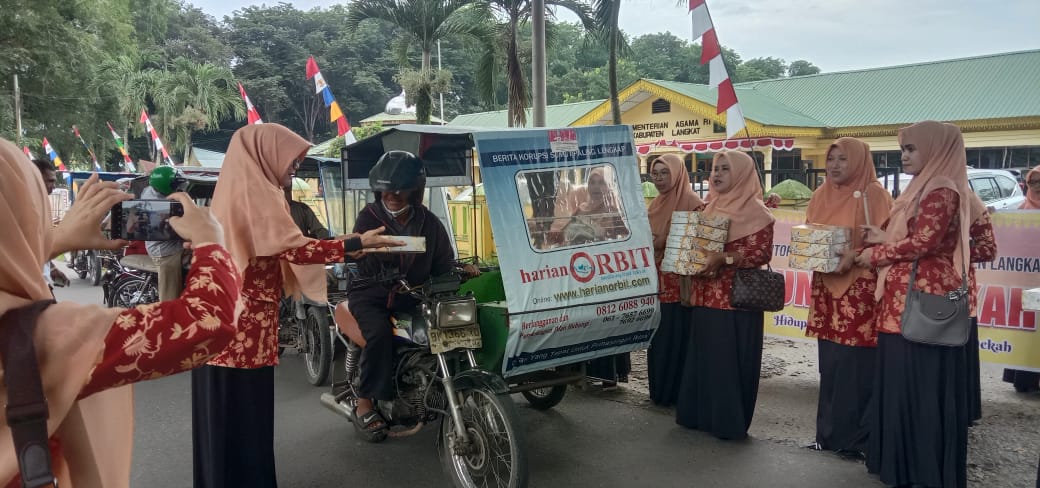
{"points": [[996, 188]]}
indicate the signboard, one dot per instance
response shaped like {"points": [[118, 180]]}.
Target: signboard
{"points": [[574, 244], [1007, 333]]}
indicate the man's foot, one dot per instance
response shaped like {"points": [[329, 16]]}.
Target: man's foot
{"points": [[366, 418]]}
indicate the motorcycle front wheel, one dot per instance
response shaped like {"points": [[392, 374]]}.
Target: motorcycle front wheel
{"points": [[317, 340], [495, 455], [133, 292], [94, 270]]}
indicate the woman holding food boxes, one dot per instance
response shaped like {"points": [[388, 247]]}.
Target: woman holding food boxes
{"points": [[719, 384], [667, 351], [842, 313]]}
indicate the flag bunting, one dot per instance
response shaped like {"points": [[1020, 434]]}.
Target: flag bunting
{"points": [[97, 166], [28, 154], [155, 137], [718, 77], [252, 113], [122, 149], [335, 113], [53, 155]]}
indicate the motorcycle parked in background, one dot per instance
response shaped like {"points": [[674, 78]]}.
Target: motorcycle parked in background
{"points": [[437, 378], [86, 265]]}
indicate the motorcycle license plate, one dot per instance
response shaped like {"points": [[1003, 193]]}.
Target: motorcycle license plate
{"points": [[444, 340]]}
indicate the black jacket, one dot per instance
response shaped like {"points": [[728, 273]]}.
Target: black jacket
{"points": [[418, 268]]}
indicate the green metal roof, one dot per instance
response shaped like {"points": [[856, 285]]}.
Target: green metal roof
{"points": [[756, 106], [401, 118], [982, 87], [560, 115]]}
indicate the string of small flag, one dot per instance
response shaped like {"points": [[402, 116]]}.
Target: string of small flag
{"points": [[122, 149], [335, 113], [155, 137], [251, 112], [97, 166], [51, 153], [718, 76]]}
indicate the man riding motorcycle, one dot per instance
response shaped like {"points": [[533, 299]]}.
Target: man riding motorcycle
{"points": [[164, 181], [398, 180]]}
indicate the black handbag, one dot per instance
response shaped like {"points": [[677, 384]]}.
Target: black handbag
{"points": [[757, 289], [937, 320]]}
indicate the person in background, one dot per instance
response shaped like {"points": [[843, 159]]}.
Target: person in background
{"points": [[233, 394], [773, 200], [719, 384], [841, 316], [51, 273], [163, 182], [1027, 381], [667, 352], [919, 415], [304, 217], [88, 353]]}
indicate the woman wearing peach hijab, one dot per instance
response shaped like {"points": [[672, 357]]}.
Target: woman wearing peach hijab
{"points": [[719, 384], [88, 354], [1027, 381], [919, 416], [233, 395], [668, 349], [842, 313]]}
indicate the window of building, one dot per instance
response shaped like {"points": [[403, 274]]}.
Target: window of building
{"points": [[660, 106]]}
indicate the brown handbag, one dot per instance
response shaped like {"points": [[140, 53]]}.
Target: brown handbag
{"points": [[759, 290], [26, 407]]}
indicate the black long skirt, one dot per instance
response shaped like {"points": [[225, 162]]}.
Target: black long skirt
{"points": [[919, 414], [719, 385], [974, 373], [232, 427], [846, 386], [612, 368], [667, 354]]}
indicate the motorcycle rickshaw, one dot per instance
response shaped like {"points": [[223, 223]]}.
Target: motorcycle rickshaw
{"points": [[448, 362]]}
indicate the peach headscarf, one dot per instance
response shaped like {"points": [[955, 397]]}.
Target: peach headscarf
{"points": [[743, 202], [945, 166], [249, 202], [1032, 198], [844, 205], [96, 433], [679, 197]]}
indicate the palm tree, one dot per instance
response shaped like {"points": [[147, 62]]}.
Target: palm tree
{"points": [[607, 13], [132, 80], [515, 13], [196, 97], [422, 23]]}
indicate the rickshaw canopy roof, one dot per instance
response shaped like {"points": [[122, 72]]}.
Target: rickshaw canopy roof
{"points": [[447, 152]]}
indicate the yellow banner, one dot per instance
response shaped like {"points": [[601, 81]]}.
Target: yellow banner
{"points": [[1007, 333]]}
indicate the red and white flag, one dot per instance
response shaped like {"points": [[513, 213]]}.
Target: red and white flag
{"points": [[28, 154], [252, 113], [711, 54], [155, 137]]}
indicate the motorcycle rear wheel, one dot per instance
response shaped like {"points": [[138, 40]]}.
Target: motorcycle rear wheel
{"points": [[133, 292], [94, 270], [496, 457], [317, 340]]}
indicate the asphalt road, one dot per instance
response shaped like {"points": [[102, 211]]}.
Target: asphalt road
{"points": [[586, 441]]}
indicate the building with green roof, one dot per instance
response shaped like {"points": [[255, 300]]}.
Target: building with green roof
{"points": [[994, 99]]}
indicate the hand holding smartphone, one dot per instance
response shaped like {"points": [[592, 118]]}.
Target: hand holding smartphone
{"points": [[145, 220]]}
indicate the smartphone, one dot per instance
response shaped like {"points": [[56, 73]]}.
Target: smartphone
{"points": [[145, 220]]}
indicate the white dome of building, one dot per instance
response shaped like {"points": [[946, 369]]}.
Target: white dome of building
{"points": [[397, 106]]}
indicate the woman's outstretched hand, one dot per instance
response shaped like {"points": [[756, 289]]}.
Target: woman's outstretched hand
{"points": [[373, 239]]}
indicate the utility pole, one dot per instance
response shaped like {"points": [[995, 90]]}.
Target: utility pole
{"points": [[438, 69], [538, 68], [17, 112]]}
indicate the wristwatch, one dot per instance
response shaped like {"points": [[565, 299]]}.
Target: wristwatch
{"points": [[729, 260]]}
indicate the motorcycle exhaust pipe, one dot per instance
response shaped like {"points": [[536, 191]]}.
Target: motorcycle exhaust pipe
{"points": [[329, 401]]}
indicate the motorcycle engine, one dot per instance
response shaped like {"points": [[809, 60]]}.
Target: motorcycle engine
{"points": [[417, 388]]}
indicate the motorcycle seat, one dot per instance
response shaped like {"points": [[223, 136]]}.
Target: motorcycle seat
{"points": [[140, 262]]}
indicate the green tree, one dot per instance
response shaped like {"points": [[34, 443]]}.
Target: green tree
{"points": [[607, 13], [802, 67], [760, 69], [421, 23], [196, 97]]}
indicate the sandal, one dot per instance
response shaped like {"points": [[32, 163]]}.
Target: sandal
{"points": [[371, 424]]}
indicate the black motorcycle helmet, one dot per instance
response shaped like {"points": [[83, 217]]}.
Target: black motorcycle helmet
{"points": [[398, 171]]}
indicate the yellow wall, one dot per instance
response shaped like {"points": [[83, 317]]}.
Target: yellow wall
{"points": [[678, 124]]}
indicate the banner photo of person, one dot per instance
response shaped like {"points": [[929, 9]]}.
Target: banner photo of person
{"points": [[1007, 328], [570, 223]]}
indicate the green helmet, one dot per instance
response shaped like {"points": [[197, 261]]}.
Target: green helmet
{"points": [[167, 180]]}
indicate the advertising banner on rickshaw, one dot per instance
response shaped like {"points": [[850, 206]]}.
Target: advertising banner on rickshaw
{"points": [[1007, 332], [573, 242]]}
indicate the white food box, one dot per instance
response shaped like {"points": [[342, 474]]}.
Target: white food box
{"points": [[823, 265], [1031, 299], [820, 234], [818, 250], [693, 242], [411, 245]]}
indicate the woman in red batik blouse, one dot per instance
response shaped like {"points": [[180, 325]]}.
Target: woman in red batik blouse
{"points": [[87, 354], [719, 384], [233, 395], [842, 313], [919, 416], [667, 351]]}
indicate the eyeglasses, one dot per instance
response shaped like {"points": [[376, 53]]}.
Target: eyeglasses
{"points": [[1033, 182]]}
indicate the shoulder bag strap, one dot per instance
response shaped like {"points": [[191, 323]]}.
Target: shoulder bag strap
{"points": [[26, 407]]}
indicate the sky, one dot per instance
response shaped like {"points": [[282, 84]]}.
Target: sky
{"points": [[836, 35]]}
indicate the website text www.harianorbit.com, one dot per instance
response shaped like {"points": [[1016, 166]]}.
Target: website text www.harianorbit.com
{"points": [[587, 291]]}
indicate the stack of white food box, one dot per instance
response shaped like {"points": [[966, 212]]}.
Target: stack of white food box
{"points": [[691, 234], [817, 247], [1031, 299]]}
